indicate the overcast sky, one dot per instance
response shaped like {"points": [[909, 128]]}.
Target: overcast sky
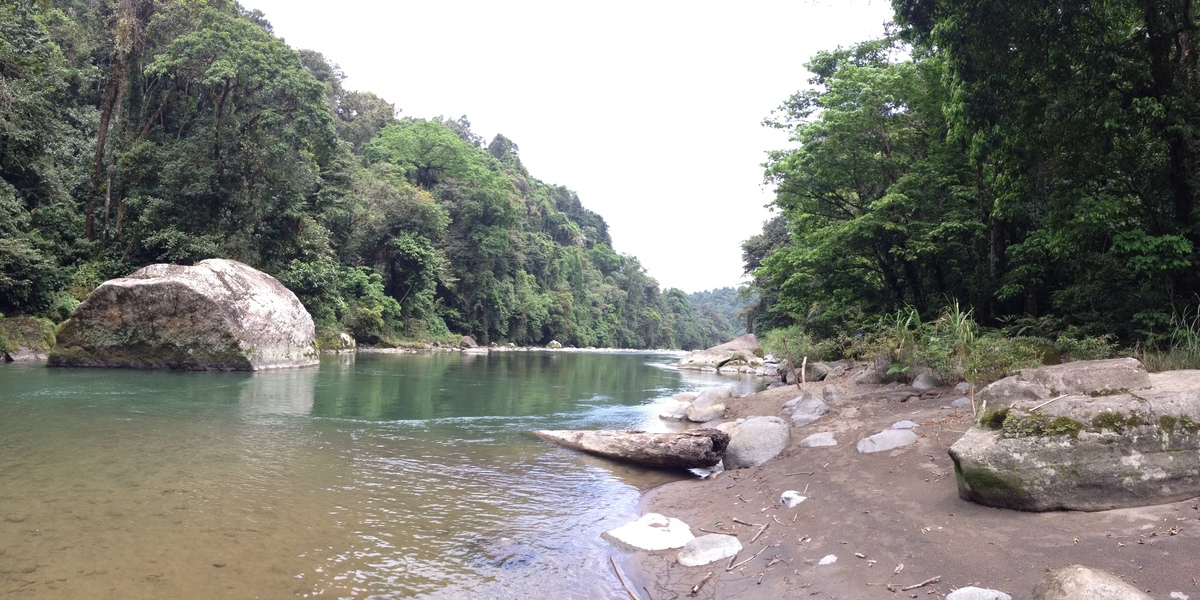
{"points": [[650, 110]]}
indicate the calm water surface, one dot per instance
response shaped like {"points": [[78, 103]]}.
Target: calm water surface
{"points": [[376, 476]]}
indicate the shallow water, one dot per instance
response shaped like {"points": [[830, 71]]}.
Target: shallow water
{"points": [[376, 476]]}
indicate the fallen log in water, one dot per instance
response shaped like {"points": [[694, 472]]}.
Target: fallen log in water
{"points": [[697, 448]]}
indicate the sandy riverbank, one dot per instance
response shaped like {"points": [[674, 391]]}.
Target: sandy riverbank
{"points": [[896, 518]]}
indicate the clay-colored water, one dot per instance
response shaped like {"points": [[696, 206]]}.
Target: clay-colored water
{"points": [[377, 476]]}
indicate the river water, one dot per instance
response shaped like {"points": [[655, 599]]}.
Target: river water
{"points": [[372, 476]]}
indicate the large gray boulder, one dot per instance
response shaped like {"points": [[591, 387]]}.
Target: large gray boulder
{"points": [[709, 404], [1087, 452], [218, 315], [1087, 378], [741, 351], [1081, 583], [754, 441]]}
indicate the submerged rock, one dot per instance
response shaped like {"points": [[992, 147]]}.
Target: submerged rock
{"points": [[218, 315]]}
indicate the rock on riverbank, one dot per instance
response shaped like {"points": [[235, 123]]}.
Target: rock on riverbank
{"points": [[873, 524]]}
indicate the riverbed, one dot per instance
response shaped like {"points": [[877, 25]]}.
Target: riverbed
{"points": [[384, 476]]}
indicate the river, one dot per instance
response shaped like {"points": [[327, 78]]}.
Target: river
{"points": [[372, 476]]}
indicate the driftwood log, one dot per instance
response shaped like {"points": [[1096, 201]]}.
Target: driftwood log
{"points": [[697, 448]]}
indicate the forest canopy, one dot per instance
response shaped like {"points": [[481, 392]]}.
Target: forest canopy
{"points": [[1036, 162], [143, 131]]}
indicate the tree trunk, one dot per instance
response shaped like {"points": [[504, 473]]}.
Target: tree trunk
{"points": [[698, 448]]}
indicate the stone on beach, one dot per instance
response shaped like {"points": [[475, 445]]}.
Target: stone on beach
{"points": [[651, 532], [888, 439], [754, 441], [975, 593], [818, 440], [709, 404], [1077, 582], [708, 549], [805, 409]]}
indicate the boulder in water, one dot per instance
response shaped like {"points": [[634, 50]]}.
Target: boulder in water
{"points": [[218, 315]]}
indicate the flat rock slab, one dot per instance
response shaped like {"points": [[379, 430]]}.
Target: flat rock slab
{"points": [[708, 549], [1084, 378], [217, 315], [905, 424], [694, 449], [652, 532], [1077, 582], [888, 439], [818, 440]]}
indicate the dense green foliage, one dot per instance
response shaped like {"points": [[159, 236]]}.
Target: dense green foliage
{"points": [[726, 308], [1035, 161], [142, 131]]}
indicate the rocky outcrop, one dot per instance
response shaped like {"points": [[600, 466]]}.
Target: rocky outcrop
{"points": [[694, 449], [1095, 444], [25, 339], [218, 315], [740, 352], [1083, 378], [1081, 583]]}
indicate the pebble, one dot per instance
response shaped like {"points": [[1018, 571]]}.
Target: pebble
{"points": [[961, 403], [828, 560]]}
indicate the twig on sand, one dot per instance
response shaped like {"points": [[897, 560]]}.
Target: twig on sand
{"points": [[624, 583], [760, 532], [732, 567], [1047, 402], [799, 473], [922, 584], [718, 532], [736, 520], [696, 588]]}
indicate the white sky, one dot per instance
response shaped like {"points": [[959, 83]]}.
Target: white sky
{"points": [[650, 110]]}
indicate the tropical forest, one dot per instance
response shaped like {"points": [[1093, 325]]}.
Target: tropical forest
{"points": [[135, 132], [1022, 174]]}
